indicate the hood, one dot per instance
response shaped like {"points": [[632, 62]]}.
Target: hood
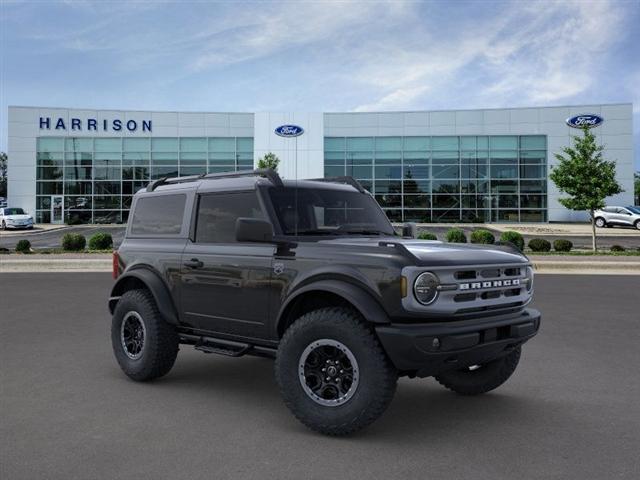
{"points": [[18, 217], [435, 253]]}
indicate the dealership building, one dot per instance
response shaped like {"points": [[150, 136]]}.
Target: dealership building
{"points": [[425, 166]]}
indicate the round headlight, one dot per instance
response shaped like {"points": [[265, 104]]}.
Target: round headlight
{"points": [[425, 288], [529, 279]]}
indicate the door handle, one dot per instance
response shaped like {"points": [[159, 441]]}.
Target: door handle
{"points": [[194, 263]]}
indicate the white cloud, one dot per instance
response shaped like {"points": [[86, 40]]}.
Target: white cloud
{"points": [[524, 55], [259, 32]]}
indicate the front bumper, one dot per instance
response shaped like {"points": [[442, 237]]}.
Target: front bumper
{"points": [[18, 225], [429, 349]]}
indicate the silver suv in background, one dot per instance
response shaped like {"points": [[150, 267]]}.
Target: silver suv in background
{"points": [[622, 216]]}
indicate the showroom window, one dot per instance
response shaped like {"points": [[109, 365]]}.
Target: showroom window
{"points": [[447, 178], [94, 179]]}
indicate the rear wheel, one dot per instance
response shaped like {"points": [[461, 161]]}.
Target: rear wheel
{"points": [[144, 345], [600, 222], [4, 225], [483, 378], [333, 373], [637, 224]]}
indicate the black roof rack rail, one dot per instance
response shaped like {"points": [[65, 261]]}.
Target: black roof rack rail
{"points": [[346, 179], [269, 173]]}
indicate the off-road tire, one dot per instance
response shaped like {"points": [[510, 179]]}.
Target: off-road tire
{"points": [[486, 378], [377, 376], [161, 341], [602, 221]]}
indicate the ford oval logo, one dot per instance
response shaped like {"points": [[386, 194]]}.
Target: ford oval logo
{"points": [[289, 131], [587, 120]]}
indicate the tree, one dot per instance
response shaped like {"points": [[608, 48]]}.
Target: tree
{"points": [[636, 188], [3, 174], [585, 177], [269, 160]]}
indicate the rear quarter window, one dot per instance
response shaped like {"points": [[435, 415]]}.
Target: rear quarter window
{"points": [[158, 215]]}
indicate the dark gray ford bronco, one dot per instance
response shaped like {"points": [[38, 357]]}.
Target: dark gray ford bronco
{"points": [[312, 273]]}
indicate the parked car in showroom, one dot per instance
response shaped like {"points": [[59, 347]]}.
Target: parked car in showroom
{"points": [[15, 218], [618, 216]]}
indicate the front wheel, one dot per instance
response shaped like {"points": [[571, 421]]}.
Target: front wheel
{"points": [[332, 372], [600, 223], [144, 345], [477, 379]]}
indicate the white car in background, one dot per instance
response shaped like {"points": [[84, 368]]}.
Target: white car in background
{"points": [[621, 216], [15, 218]]}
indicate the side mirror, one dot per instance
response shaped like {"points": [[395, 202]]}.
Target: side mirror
{"points": [[253, 230], [410, 230]]}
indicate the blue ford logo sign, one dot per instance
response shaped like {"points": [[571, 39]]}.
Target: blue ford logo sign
{"points": [[587, 120], [289, 131]]}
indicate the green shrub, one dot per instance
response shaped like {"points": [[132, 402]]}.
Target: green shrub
{"points": [[562, 245], [455, 235], [23, 246], [73, 242], [426, 236], [617, 248], [513, 237], [482, 236], [539, 245], [100, 241]]}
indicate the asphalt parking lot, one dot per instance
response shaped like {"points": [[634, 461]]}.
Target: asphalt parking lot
{"points": [[67, 412]]}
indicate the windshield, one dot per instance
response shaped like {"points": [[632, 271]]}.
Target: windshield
{"points": [[634, 210], [328, 212], [13, 211]]}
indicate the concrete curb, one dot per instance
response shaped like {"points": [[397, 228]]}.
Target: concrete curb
{"points": [[31, 265], [586, 267], [28, 265]]}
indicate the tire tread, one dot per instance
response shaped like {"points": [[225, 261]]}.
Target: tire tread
{"points": [[160, 355], [340, 317]]}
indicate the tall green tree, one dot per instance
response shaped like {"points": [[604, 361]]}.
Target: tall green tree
{"points": [[3, 174], [269, 160], [585, 177]]}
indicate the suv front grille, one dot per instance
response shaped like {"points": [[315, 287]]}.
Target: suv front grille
{"points": [[469, 290]]}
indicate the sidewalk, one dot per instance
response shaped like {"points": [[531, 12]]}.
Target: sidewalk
{"points": [[592, 265], [72, 262], [545, 229]]}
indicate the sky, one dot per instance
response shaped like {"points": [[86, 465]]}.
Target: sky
{"points": [[318, 55]]}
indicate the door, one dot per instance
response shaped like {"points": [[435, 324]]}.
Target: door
{"points": [[57, 209], [226, 285], [623, 216]]}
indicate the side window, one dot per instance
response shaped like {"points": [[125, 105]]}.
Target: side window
{"points": [[217, 215], [158, 215]]}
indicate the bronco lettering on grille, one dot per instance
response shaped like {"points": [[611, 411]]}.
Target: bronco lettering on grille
{"points": [[491, 284]]}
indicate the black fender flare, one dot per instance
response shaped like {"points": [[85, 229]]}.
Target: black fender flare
{"points": [[154, 283], [357, 296]]}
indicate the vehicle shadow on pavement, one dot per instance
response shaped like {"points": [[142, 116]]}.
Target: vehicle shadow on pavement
{"points": [[421, 407]]}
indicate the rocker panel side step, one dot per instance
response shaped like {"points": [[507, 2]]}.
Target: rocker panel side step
{"points": [[225, 347]]}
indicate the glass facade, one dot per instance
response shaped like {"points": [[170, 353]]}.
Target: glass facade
{"points": [[498, 178], [95, 178]]}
